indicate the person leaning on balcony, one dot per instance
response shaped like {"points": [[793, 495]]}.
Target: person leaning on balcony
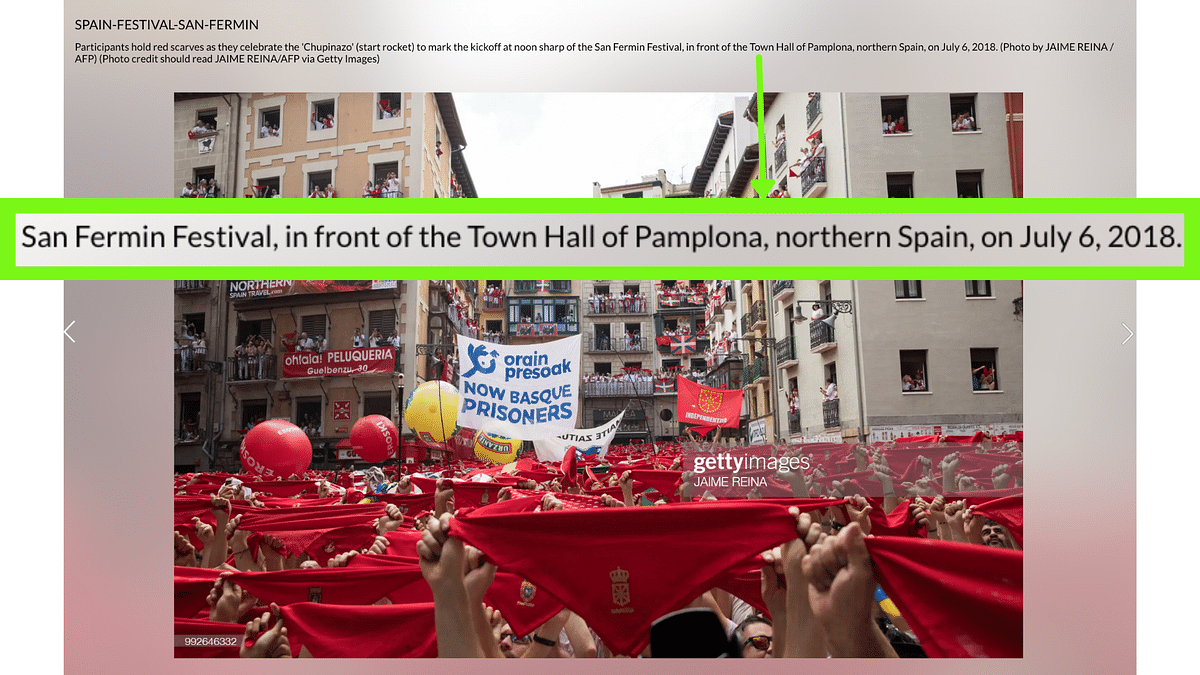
{"points": [[201, 350], [900, 127], [829, 392], [330, 193], [817, 313], [265, 357]]}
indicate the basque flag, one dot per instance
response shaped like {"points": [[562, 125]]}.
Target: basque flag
{"points": [[683, 344]]}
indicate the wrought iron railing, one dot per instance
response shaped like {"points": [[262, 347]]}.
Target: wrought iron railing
{"points": [[619, 387], [813, 111], [829, 410], [819, 333], [785, 349], [814, 173], [781, 286], [617, 344], [794, 422]]}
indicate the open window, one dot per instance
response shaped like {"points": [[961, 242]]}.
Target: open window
{"points": [[389, 106], [913, 375], [322, 114], [895, 115], [266, 187], [602, 368], [900, 185], [253, 412], [962, 113], [308, 414], [318, 181], [970, 183], [268, 122], [378, 403], [984, 376]]}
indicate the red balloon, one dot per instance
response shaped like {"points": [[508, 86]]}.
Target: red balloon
{"points": [[276, 448], [375, 438]]}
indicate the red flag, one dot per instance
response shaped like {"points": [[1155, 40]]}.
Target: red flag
{"points": [[962, 600], [698, 404]]}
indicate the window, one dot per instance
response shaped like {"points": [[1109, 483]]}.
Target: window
{"points": [[267, 187], [603, 368], [560, 286], [558, 314], [913, 376], [253, 412], [268, 122], [313, 325], [669, 364], [189, 417], [383, 170], [208, 118], [831, 373], [318, 180], [634, 289], [603, 337], [378, 403], [204, 173], [633, 365], [322, 116], [895, 114], [249, 329], [632, 195], [908, 289], [600, 290], [970, 183], [826, 291], [962, 113], [194, 322], [383, 320], [670, 324], [983, 370], [494, 326], [389, 106], [979, 289], [900, 185], [699, 364], [308, 412]]}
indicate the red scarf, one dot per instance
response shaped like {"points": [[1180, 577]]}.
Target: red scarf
{"points": [[664, 481], [1009, 512], [192, 585], [331, 586], [608, 564], [205, 627], [361, 631], [962, 600]]}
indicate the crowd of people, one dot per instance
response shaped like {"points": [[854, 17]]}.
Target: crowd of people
{"points": [[388, 188], [896, 126], [202, 128], [268, 130], [318, 192], [253, 359], [962, 122], [883, 550], [205, 188], [617, 303]]}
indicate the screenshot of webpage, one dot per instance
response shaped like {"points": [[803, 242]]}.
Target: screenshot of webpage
{"points": [[537, 419]]}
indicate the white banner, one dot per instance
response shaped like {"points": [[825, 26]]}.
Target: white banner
{"points": [[534, 388], [586, 441]]}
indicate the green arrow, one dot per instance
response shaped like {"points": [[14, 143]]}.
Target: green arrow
{"points": [[762, 184]]}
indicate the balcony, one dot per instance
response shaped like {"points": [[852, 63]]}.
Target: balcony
{"points": [[492, 302], [785, 351], [758, 316], [619, 344], [829, 411], [549, 329], [729, 301], [780, 157], [820, 337], [745, 322], [560, 286], [187, 287], [611, 305], [812, 179], [525, 287], [758, 369], [794, 422], [620, 387], [813, 111], [497, 338], [252, 368], [783, 290]]}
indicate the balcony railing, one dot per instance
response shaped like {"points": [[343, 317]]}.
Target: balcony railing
{"points": [[794, 422], [819, 335], [781, 156], [617, 344], [524, 287], [252, 368], [758, 368], [569, 327], [745, 323], [491, 302], [191, 286], [758, 313], [781, 286], [497, 338], [785, 349], [560, 286], [812, 175], [729, 302], [665, 347], [619, 387], [813, 111], [829, 410], [616, 304]]}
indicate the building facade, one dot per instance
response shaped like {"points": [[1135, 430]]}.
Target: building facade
{"points": [[290, 144], [618, 357]]}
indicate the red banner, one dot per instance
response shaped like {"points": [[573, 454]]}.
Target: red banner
{"points": [[339, 362], [706, 406]]}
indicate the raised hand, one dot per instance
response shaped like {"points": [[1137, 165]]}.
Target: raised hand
{"points": [[859, 511], [390, 521], [185, 553], [272, 644], [443, 498], [1000, 476], [841, 592]]}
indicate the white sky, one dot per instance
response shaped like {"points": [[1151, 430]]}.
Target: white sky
{"points": [[556, 145]]}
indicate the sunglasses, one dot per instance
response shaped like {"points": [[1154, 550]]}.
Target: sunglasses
{"points": [[761, 642], [516, 640]]}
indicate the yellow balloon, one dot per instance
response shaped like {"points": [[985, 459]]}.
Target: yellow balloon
{"points": [[431, 411], [497, 444]]}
